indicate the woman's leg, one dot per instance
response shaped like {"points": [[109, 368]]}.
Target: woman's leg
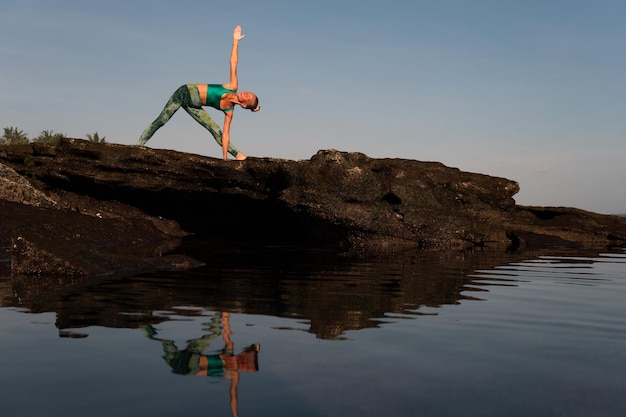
{"points": [[202, 117], [176, 100]]}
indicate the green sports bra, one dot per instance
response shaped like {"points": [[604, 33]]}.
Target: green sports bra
{"points": [[214, 96]]}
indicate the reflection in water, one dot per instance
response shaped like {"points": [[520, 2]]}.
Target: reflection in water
{"points": [[193, 361], [548, 339], [333, 294]]}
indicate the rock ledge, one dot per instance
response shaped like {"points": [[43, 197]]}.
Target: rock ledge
{"points": [[121, 208]]}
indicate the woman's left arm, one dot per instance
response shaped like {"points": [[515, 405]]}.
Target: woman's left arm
{"points": [[228, 117], [234, 59]]}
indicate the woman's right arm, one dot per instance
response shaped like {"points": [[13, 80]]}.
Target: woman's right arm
{"points": [[234, 59]]}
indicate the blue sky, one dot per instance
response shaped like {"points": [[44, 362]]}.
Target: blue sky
{"points": [[533, 90]]}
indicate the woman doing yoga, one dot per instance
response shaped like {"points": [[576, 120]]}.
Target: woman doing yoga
{"points": [[224, 97]]}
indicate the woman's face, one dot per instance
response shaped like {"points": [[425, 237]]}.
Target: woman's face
{"points": [[247, 361], [248, 99]]}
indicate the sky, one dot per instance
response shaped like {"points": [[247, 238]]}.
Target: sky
{"points": [[532, 91]]}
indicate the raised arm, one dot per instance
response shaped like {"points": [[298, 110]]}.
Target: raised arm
{"points": [[234, 58]]}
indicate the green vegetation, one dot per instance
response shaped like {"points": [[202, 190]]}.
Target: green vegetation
{"points": [[13, 136], [96, 138], [48, 136]]}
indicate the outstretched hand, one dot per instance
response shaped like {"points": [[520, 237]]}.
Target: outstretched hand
{"points": [[237, 35]]}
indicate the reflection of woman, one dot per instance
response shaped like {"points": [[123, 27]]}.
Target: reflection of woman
{"points": [[223, 97], [191, 361]]}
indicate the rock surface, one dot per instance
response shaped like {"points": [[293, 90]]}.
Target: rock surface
{"points": [[87, 208]]}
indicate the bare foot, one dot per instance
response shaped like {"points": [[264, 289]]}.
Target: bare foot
{"points": [[240, 157]]}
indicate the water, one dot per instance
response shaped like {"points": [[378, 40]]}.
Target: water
{"points": [[418, 334]]}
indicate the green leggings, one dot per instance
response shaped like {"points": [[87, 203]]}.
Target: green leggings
{"points": [[187, 97]]}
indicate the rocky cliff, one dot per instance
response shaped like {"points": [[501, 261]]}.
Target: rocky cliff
{"points": [[89, 208]]}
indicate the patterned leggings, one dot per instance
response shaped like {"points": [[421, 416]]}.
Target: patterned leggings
{"points": [[187, 97]]}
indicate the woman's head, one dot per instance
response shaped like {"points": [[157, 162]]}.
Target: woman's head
{"points": [[249, 100], [248, 360]]}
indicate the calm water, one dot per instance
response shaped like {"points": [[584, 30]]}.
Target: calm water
{"points": [[417, 334]]}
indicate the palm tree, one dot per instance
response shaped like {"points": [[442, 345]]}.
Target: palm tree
{"points": [[48, 136], [96, 138], [13, 136]]}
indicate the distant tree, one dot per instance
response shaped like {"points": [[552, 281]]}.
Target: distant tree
{"points": [[48, 136], [96, 138], [13, 136]]}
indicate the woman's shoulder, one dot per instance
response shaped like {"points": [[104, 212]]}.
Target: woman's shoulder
{"points": [[229, 87]]}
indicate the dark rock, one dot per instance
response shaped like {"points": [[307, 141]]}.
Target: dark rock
{"points": [[345, 200], [62, 242], [14, 187]]}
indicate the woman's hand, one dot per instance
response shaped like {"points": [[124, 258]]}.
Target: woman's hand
{"points": [[237, 35]]}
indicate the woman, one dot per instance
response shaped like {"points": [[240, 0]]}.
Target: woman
{"points": [[224, 97]]}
